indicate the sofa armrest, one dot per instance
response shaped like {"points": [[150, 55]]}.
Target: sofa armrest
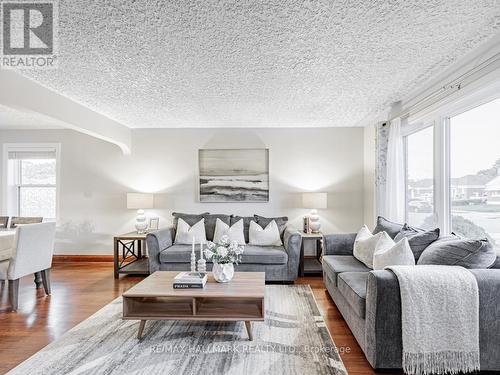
{"points": [[157, 242], [383, 332], [339, 244], [488, 283], [292, 241]]}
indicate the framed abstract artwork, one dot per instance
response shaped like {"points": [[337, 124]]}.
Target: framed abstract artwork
{"points": [[234, 175]]}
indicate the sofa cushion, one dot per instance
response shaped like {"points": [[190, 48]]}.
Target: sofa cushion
{"points": [[337, 264], [246, 223], [418, 239], [352, 285], [281, 221], [384, 225], [251, 255], [264, 255], [210, 222], [177, 254], [456, 251]]}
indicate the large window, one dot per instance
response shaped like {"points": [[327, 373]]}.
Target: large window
{"points": [[31, 181], [475, 172], [453, 170], [420, 178]]}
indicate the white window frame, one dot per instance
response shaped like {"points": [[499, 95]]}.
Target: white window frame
{"points": [[440, 118], [9, 147], [407, 131]]}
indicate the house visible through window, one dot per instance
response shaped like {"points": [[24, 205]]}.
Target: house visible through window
{"points": [[420, 178], [475, 172], [32, 181]]}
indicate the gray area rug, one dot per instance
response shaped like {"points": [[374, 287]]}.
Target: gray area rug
{"points": [[292, 340]]}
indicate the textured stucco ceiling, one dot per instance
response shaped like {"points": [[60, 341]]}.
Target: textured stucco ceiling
{"points": [[257, 63]]}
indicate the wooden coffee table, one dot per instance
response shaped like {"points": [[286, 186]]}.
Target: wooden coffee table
{"points": [[154, 298]]}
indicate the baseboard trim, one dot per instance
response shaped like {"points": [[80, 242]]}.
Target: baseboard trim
{"points": [[81, 258]]}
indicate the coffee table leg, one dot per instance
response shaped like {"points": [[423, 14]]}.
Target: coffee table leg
{"points": [[141, 329], [248, 325]]}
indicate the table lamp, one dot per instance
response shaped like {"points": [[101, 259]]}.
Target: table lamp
{"points": [[314, 201], [140, 201]]}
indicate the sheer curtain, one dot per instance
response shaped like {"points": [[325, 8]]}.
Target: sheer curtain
{"points": [[395, 179]]}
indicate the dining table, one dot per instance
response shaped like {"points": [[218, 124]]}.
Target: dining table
{"points": [[6, 244]]}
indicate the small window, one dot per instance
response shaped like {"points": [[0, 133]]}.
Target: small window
{"points": [[32, 181]]}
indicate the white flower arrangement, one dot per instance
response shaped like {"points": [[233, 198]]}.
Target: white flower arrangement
{"points": [[224, 252]]}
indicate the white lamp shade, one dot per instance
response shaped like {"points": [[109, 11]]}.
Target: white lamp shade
{"points": [[140, 200], [315, 200]]}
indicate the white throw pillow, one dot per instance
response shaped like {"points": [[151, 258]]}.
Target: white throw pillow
{"points": [[398, 255], [363, 234], [269, 236], [365, 245], [234, 232], [184, 233]]}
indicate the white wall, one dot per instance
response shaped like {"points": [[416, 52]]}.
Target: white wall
{"points": [[95, 177]]}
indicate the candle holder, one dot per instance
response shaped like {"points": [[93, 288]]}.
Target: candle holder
{"points": [[193, 261], [202, 265]]}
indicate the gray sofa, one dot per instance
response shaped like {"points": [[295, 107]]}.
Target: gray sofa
{"points": [[370, 303], [280, 263]]}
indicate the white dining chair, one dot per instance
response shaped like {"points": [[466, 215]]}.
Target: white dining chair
{"points": [[31, 254]]}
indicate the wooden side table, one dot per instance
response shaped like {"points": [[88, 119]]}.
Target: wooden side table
{"points": [[311, 265], [131, 260]]}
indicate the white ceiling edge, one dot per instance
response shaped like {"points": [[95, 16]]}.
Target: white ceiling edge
{"points": [[27, 96], [461, 66], [14, 119]]}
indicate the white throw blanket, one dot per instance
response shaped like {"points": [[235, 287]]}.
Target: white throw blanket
{"points": [[440, 319]]}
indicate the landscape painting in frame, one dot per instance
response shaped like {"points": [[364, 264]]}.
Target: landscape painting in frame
{"points": [[239, 175]]}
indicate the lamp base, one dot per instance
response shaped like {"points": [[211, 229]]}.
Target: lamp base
{"points": [[314, 223], [141, 224]]}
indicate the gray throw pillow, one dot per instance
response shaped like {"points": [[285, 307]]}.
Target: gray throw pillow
{"points": [[456, 251], [246, 224], [418, 239], [210, 221], [191, 219], [281, 221], [384, 225], [496, 264]]}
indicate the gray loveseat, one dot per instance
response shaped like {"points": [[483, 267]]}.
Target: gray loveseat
{"points": [[370, 303], [280, 263]]}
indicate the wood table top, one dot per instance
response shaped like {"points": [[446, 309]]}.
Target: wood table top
{"points": [[160, 284], [132, 236]]}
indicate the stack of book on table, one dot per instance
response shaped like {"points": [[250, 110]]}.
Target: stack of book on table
{"points": [[186, 280]]}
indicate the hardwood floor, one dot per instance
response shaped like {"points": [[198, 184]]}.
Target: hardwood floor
{"points": [[80, 289]]}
